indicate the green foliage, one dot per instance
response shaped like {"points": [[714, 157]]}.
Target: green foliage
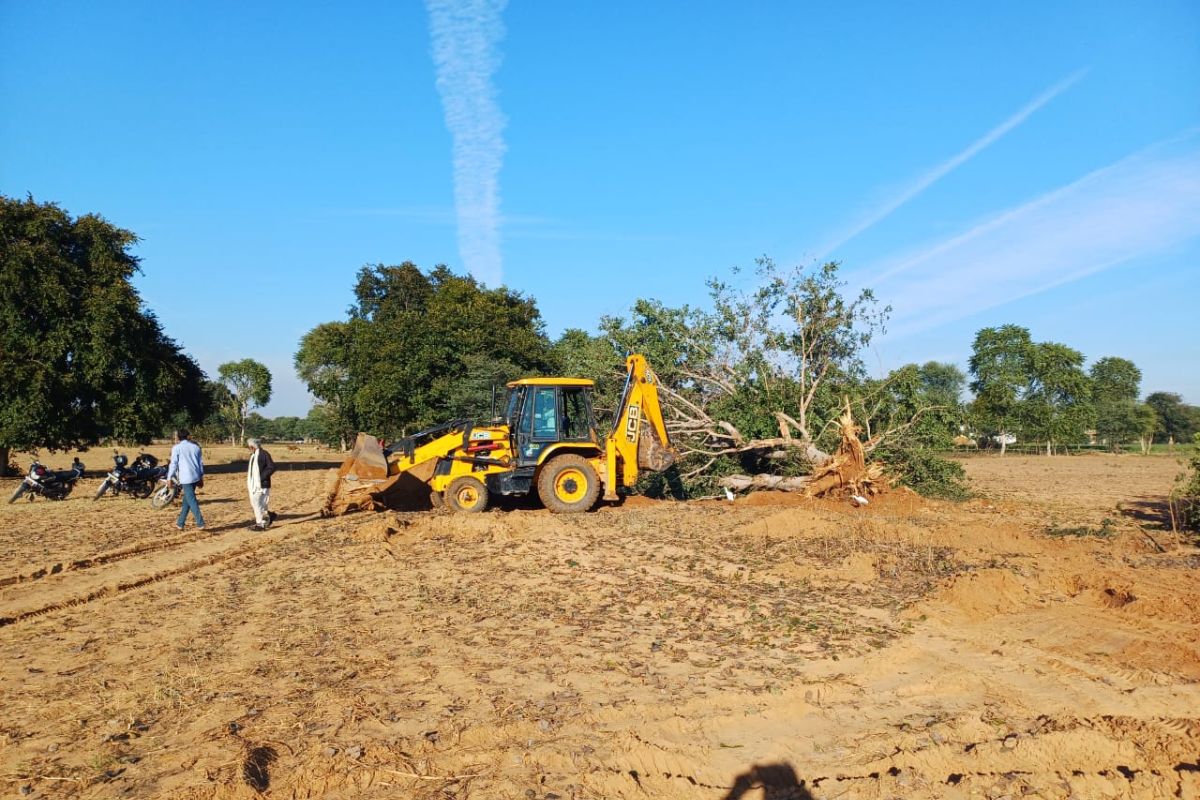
{"points": [[1177, 421], [925, 472], [1185, 499], [419, 349], [81, 359], [1119, 418], [1036, 391], [1057, 406], [249, 385]]}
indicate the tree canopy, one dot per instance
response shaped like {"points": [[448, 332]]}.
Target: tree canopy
{"points": [[249, 385], [420, 348], [81, 358]]}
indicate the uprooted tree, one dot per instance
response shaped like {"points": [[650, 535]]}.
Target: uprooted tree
{"points": [[766, 389]]}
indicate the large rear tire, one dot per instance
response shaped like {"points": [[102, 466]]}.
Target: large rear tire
{"points": [[142, 490], [569, 485], [467, 494], [20, 491]]}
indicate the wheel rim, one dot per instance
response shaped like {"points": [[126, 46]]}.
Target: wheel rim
{"points": [[467, 496], [570, 485]]}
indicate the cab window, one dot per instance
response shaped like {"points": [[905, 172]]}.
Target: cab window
{"points": [[545, 415], [575, 419]]}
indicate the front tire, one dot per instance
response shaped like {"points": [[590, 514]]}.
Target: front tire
{"points": [[100, 492], [163, 497], [569, 485], [17, 494], [467, 494], [142, 490]]}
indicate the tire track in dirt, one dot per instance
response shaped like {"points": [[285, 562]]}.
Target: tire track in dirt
{"points": [[107, 590], [103, 558]]}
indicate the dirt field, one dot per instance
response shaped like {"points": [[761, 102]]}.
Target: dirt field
{"points": [[1043, 640]]}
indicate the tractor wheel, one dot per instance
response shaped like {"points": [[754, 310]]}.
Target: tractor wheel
{"points": [[437, 500], [569, 485], [467, 494]]}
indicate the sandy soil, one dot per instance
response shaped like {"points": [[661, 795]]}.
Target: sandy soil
{"points": [[1015, 645]]}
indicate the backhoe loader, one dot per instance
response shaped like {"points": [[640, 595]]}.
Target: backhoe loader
{"points": [[547, 442]]}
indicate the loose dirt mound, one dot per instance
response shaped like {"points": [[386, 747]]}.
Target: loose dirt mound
{"points": [[668, 650]]}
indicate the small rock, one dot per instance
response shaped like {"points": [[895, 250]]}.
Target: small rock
{"points": [[330, 752], [52, 748], [543, 725], [26, 789], [530, 793], [355, 752]]}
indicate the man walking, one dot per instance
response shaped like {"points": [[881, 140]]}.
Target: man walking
{"points": [[258, 483], [188, 467]]}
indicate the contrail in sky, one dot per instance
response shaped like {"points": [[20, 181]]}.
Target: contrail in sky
{"points": [[943, 169], [466, 34]]}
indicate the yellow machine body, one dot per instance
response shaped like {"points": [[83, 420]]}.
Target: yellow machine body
{"points": [[546, 443]]}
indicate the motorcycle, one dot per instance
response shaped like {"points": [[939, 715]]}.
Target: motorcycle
{"points": [[50, 484], [138, 479], [166, 494]]}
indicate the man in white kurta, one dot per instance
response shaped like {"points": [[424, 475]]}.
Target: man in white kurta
{"points": [[258, 484]]}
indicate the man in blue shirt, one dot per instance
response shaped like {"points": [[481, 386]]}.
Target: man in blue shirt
{"points": [[188, 467]]}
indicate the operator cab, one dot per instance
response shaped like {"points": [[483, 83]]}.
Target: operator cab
{"points": [[545, 411]]}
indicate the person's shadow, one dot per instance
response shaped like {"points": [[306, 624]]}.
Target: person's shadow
{"points": [[777, 781]]}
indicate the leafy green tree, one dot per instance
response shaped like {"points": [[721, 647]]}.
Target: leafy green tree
{"points": [[1115, 388], [249, 384], [1001, 364], [324, 362], [1058, 404], [81, 358], [1177, 421], [419, 349]]}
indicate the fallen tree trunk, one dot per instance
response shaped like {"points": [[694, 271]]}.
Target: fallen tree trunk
{"points": [[846, 470]]}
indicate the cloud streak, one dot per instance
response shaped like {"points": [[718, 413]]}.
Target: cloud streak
{"points": [[945, 168], [466, 35], [1142, 206]]}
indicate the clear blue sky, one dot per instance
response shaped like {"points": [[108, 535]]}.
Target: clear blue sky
{"points": [[1035, 163]]}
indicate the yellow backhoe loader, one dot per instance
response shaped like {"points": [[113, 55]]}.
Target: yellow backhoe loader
{"points": [[547, 441]]}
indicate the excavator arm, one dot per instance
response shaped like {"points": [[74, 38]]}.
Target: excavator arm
{"points": [[639, 439]]}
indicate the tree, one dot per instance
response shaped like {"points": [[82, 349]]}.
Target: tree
{"points": [[419, 349], [1177, 421], [758, 382], [249, 384], [1000, 365], [1058, 402], [323, 362], [1115, 388], [81, 358]]}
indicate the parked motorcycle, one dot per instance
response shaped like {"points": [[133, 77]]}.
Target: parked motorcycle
{"points": [[50, 484], [138, 478], [166, 494]]}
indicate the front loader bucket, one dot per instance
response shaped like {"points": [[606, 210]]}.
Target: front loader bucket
{"points": [[363, 482], [366, 461]]}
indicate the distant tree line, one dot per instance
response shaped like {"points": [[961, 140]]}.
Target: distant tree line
{"points": [[753, 381]]}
